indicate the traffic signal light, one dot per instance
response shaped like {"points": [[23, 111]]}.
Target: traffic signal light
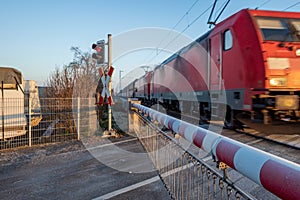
{"points": [[100, 51]]}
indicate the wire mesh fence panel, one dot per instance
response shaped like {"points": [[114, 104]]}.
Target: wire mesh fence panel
{"points": [[23, 123], [13, 122], [185, 175]]}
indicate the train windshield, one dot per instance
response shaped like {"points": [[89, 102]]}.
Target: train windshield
{"points": [[279, 29]]}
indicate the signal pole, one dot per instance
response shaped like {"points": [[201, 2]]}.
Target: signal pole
{"points": [[120, 79], [109, 62]]}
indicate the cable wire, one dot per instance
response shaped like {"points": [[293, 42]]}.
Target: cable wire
{"points": [[291, 6], [188, 26], [264, 3], [180, 20]]}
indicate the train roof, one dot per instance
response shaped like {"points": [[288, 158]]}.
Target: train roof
{"points": [[251, 12], [272, 13], [186, 48], [10, 75]]}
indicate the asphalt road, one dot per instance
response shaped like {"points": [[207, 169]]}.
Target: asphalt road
{"points": [[69, 171]]}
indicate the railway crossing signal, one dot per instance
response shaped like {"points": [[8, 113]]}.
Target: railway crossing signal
{"points": [[105, 81], [100, 51], [105, 77]]}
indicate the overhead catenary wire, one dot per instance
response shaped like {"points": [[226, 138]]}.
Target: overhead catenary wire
{"points": [[295, 4], [188, 26], [264, 3], [180, 20]]}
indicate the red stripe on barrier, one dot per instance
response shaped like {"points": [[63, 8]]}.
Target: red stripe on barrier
{"points": [[198, 138], [170, 123], [225, 152], [282, 180]]}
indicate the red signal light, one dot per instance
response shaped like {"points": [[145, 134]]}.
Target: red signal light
{"points": [[99, 55], [96, 47]]}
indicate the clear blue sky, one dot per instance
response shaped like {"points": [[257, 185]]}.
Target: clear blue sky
{"points": [[36, 35]]}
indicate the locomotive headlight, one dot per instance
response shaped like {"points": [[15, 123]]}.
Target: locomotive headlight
{"points": [[278, 82], [298, 52]]}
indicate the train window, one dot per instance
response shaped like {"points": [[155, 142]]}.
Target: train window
{"points": [[228, 40], [275, 29], [296, 24], [296, 27]]}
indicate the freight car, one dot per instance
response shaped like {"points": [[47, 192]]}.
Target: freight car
{"points": [[248, 63]]}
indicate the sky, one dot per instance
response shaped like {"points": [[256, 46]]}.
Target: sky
{"points": [[36, 35]]}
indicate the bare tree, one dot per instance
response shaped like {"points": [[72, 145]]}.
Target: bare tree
{"points": [[60, 83], [77, 79]]}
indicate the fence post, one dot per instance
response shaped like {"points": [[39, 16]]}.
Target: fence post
{"points": [[78, 118], [3, 128], [29, 120]]}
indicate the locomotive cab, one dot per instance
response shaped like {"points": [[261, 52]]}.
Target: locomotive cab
{"points": [[279, 37]]}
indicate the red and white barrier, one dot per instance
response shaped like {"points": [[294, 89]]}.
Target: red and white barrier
{"points": [[277, 175]]}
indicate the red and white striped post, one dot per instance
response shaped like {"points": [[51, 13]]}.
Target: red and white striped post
{"points": [[277, 175]]}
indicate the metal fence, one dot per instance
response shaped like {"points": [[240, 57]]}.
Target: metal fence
{"points": [[184, 174], [25, 122]]}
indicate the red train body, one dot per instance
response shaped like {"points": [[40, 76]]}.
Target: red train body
{"points": [[250, 62]]}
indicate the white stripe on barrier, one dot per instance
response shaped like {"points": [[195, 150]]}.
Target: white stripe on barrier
{"points": [[159, 118], [175, 126], [189, 133], [209, 141], [249, 163], [166, 122]]}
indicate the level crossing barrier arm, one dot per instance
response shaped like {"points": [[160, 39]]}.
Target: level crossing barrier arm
{"points": [[279, 176]]}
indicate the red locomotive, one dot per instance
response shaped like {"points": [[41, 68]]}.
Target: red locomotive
{"points": [[249, 63]]}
